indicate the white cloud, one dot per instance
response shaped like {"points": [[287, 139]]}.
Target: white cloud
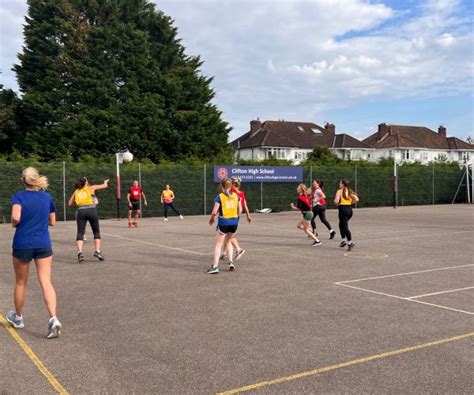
{"points": [[445, 40]]}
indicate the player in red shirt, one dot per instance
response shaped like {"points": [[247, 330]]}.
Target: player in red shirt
{"points": [[133, 197], [236, 188]]}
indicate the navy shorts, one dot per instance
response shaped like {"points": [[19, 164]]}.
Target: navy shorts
{"points": [[225, 229], [26, 255]]}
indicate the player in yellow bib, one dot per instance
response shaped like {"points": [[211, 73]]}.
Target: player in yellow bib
{"points": [[167, 198], [344, 200], [228, 207], [83, 199]]}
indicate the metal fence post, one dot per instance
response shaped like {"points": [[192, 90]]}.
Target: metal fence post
{"points": [[140, 183], [261, 196], [204, 189], [64, 192], [311, 175], [355, 180], [433, 184]]}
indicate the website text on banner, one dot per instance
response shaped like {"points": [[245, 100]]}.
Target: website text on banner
{"points": [[259, 173]]}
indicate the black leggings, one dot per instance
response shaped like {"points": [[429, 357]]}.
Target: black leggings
{"points": [[172, 207], [85, 215], [321, 211], [345, 214]]}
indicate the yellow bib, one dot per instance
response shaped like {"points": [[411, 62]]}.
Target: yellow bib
{"points": [[229, 205], [83, 197], [345, 202]]}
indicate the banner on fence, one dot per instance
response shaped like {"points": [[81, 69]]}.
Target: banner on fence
{"points": [[259, 173]]}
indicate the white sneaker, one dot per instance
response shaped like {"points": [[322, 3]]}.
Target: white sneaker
{"points": [[165, 219], [54, 328], [181, 217]]}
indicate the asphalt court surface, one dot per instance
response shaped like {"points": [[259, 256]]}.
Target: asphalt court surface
{"points": [[150, 320]]}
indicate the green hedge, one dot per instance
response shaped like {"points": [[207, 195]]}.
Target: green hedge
{"points": [[195, 189]]}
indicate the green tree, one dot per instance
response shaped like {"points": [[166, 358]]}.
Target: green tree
{"points": [[98, 76], [9, 122], [322, 155]]}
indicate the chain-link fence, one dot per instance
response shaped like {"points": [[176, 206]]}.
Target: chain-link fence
{"points": [[195, 189]]}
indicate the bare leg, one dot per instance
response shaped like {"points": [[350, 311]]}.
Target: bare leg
{"points": [[79, 244], [21, 279], [307, 229], [137, 215], [43, 267], [129, 215], [228, 245], [97, 244], [235, 243], [217, 250]]}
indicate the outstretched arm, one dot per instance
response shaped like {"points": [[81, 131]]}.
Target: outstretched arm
{"points": [[104, 185]]}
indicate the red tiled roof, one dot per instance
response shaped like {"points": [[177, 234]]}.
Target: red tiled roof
{"points": [[343, 140], [399, 136]]}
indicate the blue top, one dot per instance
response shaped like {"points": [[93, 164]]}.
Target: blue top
{"points": [[225, 221], [32, 230]]}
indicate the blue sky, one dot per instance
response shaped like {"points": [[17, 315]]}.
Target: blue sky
{"points": [[355, 63]]}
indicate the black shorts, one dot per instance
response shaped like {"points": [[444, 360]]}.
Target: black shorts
{"points": [[26, 255], [225, 229], [135, 205]]}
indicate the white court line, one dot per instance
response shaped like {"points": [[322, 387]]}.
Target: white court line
{"points": [[154, 244], [439, 293], [404, 274], [407, 299]]}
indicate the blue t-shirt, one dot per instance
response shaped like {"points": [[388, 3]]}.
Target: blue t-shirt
{"points": [[32, 230], [225, 221]]}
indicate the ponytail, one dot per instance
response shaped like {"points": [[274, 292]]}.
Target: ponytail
{"points": [[33, 180]]}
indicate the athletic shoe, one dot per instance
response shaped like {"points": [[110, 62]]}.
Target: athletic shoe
{"points": [[223, 257], [343, 243], [350, 245], [99, 256], [316, 243], [54, 328], [135, 224], [332, 234], [212, 270], [238, 254], [130, 225], [181, 217], [16, 323], [165, 219], [80, 257], [231, 266]]}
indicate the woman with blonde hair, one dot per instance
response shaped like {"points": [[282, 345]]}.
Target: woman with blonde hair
{"points": [[344, 200], [32, 211], [304, 205], [228, 207], [83, 198]]}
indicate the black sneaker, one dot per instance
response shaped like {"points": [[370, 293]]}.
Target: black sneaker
{"points": [[350, 245], [343, 243], [316, 243], [80, 257], [99, 256], [332, 234]]}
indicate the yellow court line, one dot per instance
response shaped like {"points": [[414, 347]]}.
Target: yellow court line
{"points": [[28, 351], [344, 364]]}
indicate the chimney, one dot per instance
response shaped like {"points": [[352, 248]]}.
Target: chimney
{"points": [[255, 125], [330, 127], [442, 131], [382, 130]]}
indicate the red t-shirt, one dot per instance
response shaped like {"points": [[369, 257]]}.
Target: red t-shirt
{"points": [[241, 195], [135, 193]]}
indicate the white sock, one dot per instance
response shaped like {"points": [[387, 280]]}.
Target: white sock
{"points": [[52, 318], [18, 317]]}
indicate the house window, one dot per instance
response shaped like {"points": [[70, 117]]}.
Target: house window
{"points": [[316, 131], [424, 155], [278, 153], [406, 155], [301, 128]]}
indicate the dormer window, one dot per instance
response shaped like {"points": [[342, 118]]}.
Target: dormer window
{"points": [[316, 131], [301, 128]]}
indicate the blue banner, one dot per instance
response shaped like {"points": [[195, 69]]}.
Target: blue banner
{"points": [[259, 173]]}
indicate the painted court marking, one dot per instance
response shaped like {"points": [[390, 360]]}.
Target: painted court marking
{"points": [[345, 364], [375, 255], [411, 298], [29, 352]]}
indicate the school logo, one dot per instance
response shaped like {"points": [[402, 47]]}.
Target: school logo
{"points": [[222, 173]]}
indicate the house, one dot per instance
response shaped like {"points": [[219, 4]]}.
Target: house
{"points": [[295, 140], [418, 143]]}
